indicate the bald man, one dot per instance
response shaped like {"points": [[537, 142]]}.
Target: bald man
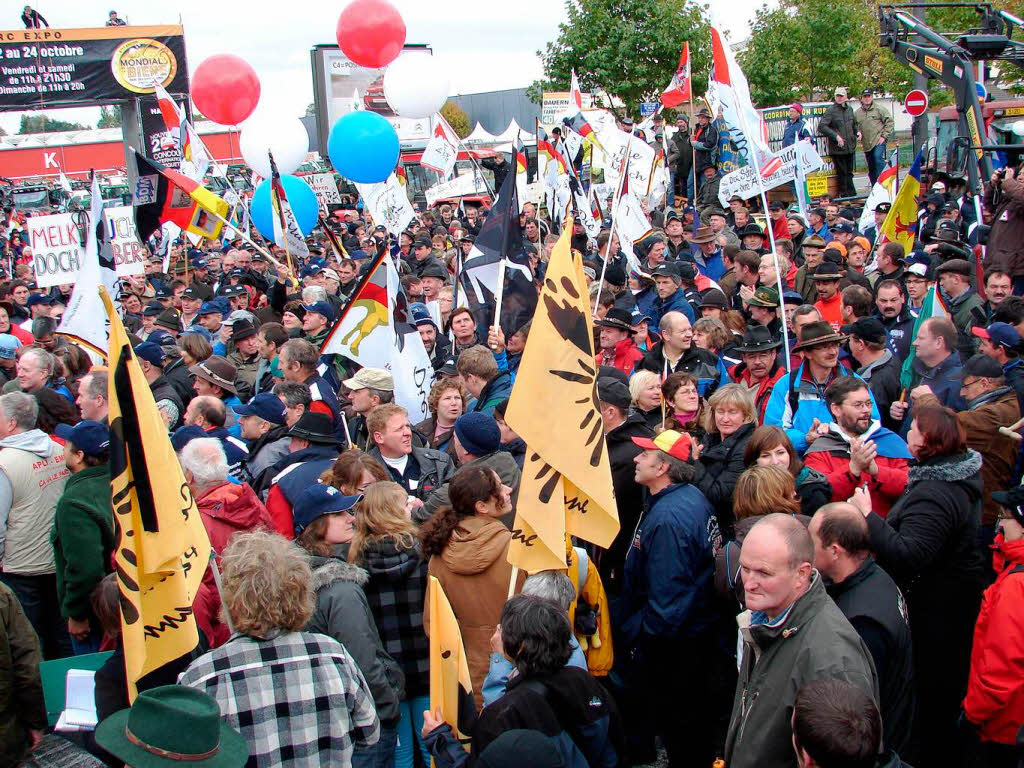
{"points": [[676, 353], [792, 634], [873, 605]]}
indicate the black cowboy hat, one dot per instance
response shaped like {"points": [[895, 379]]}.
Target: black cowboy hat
{"points": [[314, 427], [828, 271], [757, 338], [617, 318]]}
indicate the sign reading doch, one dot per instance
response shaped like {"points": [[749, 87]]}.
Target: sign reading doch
{"points": [[56, 250]]}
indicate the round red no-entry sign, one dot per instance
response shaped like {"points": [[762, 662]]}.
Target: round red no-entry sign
{"points": [[916, 103]]}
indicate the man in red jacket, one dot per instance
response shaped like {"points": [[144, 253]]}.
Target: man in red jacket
{"points": [[995, 689], [760, 368], [617, 345], [857, 451]]}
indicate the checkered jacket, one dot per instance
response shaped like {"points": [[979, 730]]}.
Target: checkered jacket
{"points": [[298, 698], [395, 592]]}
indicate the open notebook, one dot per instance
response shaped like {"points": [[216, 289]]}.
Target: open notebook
{"points": [[80, 702]]}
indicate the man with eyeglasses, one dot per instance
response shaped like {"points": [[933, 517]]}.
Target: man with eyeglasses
{"points": [[857, 450], [991, 404]]}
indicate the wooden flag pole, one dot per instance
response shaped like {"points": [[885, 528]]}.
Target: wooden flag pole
{"points": [[246, 238]]}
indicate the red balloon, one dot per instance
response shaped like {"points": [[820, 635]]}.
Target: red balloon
{"points": [[371, 32], [225, 89]]}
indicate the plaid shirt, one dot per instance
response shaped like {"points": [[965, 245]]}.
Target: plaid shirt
{"points": [[298, 698]]}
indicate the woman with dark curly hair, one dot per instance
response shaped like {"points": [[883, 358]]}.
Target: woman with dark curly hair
{"points": [[684, 407], [468, 549]]}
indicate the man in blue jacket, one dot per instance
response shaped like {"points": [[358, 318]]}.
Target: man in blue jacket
{"points": [[665, 615], [671, 298]]}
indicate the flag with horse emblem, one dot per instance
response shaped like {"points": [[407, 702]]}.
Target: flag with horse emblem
{"points": [[364, 332], [567, 480]]}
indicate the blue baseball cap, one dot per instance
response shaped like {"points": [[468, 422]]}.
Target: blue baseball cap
{"points": [[266, 405], [9, 346], [792, 297], [39, 298], [320, 308], [639, 317], [90, 437], [210, 308], [319, 500], [1001, 334], [151, 353]]}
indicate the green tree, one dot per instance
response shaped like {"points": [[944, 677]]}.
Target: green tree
{"points": [[457, 118], [627, 48], [110, 117], [310, 109], [44, 124]]}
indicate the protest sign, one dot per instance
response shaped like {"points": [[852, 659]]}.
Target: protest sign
{"points": [[388, 204], [466, 184], [325, 188], [128, 253], [56, 249], [743, 181]]}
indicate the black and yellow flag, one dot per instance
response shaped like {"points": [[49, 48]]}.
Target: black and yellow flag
{"points": [[162, 547], [567, 478], [451, 688]]}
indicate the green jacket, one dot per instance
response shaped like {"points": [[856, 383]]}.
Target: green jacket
{"points": [[815, 640], [83, 538], [873, 123], [21, 690]]}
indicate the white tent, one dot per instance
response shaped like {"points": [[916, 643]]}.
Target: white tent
{"points": [[513, 130], [480, 136]]}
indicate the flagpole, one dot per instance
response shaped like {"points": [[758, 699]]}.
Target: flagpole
{"points": [[245, 238], [615, 213], [499, 289], [472, 159]]}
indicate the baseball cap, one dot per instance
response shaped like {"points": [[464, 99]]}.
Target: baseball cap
{"points": [[371, 378], [191, 293], [90, 437], [613, 391], [40, 298], [1012, 500], [1003, 334], [210, 308], [151, 353], [980, 365], [866, 329], [665, 270], [240, 314], [320, 308], [9, 346], [671, 442], [319, 500], [153, 309], [266, 405]]}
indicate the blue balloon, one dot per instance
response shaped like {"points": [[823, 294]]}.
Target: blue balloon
{"points": [[363, 147], [301, 198]]}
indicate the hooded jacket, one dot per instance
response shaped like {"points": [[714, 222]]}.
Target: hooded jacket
{"points": [[981, 421], [625, 356], [342, 612], [497, 389], [1003, 249], [474, 572], [396, 591], [810, 640], [228, 509], [883, 378], [995, 688], [899, 331], [674, 303], [830, 455]]}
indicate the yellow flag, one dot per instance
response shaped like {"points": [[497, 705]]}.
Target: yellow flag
{"points": [[451, 688], [567, 480], [162, 547]]}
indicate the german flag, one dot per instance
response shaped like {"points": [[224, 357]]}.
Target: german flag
{"points": [[162, 195], [400, 174], [520, 151], [546, 148], [578, 123]]}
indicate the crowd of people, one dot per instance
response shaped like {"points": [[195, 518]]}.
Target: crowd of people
{"points": [[820, 559]]}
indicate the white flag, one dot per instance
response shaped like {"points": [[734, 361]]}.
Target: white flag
{"points": [[631, 225], [64, 183], [413, 375], [388, 204], [442, 150]]}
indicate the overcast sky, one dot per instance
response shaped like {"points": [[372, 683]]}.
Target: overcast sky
{"points": [[489, 46]]}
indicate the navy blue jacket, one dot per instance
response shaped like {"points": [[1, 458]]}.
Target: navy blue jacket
{"points": [[670, 568], [795, 131], [940, 380], [675, 303], [297, 471]]}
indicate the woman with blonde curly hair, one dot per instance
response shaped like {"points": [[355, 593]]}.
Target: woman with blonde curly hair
{"points": [[267, 591], [446, 401], [386, 543]]}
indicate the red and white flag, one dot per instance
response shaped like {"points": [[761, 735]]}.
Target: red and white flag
{"points": [[729, 93], [442, 150], [679, 90], [195, 157], [575, 94]]}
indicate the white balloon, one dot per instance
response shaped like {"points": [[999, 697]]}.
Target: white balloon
{"points": [[416, 85], [1018, 127], [266, 132]]}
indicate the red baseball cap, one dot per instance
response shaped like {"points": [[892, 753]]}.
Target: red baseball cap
{"points": [[673, 443]]}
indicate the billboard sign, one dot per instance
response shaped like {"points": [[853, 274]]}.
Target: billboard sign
{"points": [[775, 118], [336, 81], [44, 68]]}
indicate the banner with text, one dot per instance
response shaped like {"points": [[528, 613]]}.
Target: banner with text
{"points": [[743, 181], [466, 184], [56, 249], [42, 68], [128, 253], [325, 188]]}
